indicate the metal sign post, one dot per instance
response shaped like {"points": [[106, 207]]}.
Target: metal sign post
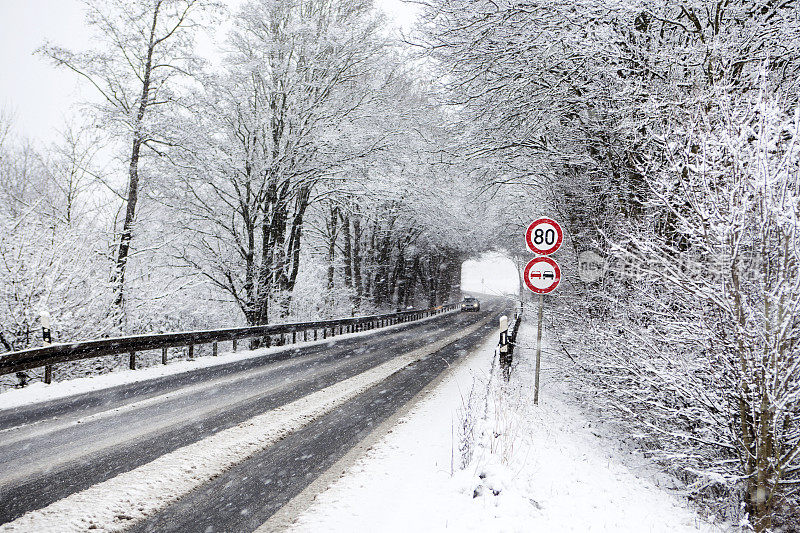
{"points": [[542, 275], [538, 351]]}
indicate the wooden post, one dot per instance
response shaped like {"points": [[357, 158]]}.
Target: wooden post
{"points": [[191, 352], [294, 336], [163, 356], [234, 343], [316, 331], [305, 335], [132, 361], [48, 374], [538, 351], [215, 349], [325, 333]]}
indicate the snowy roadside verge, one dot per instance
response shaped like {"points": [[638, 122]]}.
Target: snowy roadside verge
{"points": [[289, 515], [39, 392], [404, 483], [500, 464], [120, 502]]}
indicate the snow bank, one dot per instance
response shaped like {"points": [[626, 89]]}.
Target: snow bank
{"points": [[526, 467]]}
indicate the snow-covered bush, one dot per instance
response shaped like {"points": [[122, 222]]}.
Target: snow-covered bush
{"points": [[696, 339]]}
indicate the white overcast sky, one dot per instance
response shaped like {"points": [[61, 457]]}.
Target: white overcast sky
{"points": [[41, 97], [491, 273]]}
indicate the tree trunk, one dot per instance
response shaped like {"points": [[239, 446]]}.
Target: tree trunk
{"points": [[5, 343], [332, 234], [348, 252], [118, 277], [357, 260]]}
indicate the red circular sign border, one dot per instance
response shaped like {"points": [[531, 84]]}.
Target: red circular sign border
{"points": [[552, 263], [536, 222]]}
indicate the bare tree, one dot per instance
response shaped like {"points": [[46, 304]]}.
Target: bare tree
{"points": [[298, 76], [147, 45]]}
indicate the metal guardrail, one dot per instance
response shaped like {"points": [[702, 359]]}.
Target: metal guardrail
{"points": [[52, 354]]}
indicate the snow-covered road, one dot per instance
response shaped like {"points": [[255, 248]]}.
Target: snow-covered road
{"points": [[207, 447], [532, 468]]}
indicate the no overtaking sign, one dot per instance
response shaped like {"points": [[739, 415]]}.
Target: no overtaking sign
{"points": [[542, 275]]}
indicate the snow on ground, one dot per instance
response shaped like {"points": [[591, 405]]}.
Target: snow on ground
{"points": [[39, 392], [528, 468], [121, 501]]}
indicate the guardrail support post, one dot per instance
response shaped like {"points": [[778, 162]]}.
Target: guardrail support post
{"points": [[48, 374], [215, 349], [325, 333], [234, 342], [294, 337], [191, 352], [132, 361], [316, 331], [163, 356]]}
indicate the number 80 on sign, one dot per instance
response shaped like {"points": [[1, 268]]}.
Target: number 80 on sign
{"points": [[544, 236]]}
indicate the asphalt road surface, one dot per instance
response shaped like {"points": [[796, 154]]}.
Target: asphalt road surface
{"points": [[51, 450]]}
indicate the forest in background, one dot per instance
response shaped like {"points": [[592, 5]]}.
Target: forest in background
{"points": [[302, 175], [324, 168]]}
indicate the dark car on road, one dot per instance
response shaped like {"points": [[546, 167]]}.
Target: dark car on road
{"points": [[470, 304]]}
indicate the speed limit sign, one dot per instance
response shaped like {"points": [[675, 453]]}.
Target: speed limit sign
{"points": [[544, 236], [542, 275]]}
